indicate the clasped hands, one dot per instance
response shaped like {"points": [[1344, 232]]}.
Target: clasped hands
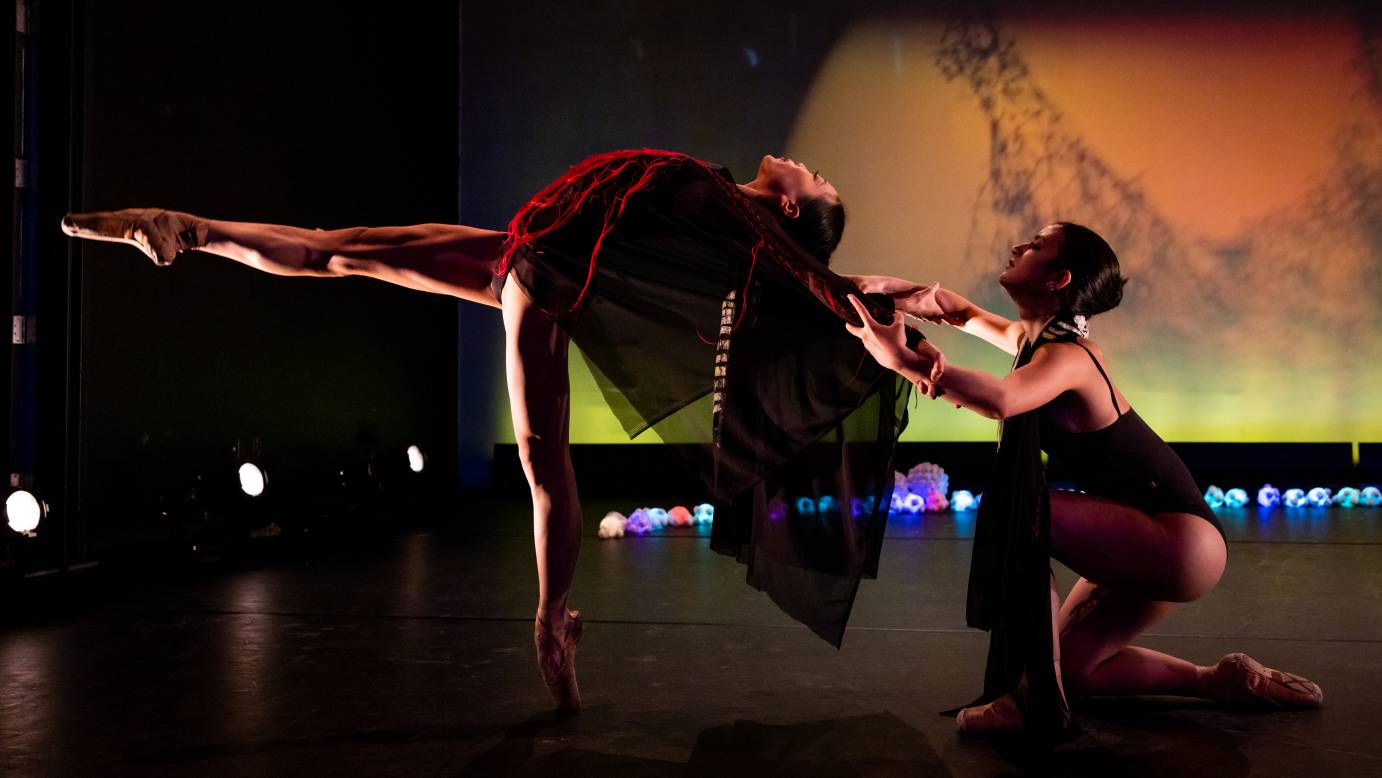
{"points": [[923, 365]]}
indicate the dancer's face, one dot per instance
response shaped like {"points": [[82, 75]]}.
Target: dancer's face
{"points": [[1030, 270], [790, 182]]}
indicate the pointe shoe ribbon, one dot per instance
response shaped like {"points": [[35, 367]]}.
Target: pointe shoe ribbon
{"points": [[561, 680], [160, 234]]}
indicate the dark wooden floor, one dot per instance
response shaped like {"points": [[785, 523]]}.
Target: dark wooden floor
{"points": [[413, 656]]}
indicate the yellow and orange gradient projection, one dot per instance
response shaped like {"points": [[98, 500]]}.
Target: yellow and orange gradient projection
{"points": [[1235, 165]]}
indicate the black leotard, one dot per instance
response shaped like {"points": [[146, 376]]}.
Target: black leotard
{"points": [[1126, 461]]}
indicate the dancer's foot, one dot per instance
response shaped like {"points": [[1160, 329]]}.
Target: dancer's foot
{"points": [[1238, 679], [160, 234], [556, 657], [1003, 715]]}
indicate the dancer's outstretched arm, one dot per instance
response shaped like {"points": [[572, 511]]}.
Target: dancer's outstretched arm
{"points": [[445, 259], [942, 306]]}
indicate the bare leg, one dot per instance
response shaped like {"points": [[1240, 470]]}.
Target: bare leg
{"points": [[1097, 626], [448, 259], [1135, 568], [539, 397], [1150, 563], [1144, 565]]}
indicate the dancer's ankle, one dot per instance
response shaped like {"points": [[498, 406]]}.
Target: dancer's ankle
{"points": [[552, 615], [1203, 683]]}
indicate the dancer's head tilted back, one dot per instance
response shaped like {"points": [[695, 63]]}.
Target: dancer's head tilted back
{"points": [[804, 202], [1065, 267]]}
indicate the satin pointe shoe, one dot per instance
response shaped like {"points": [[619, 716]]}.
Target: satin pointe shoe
{"points": [[1003, 715], [556, 658], [160, 234], [1238, 679]]}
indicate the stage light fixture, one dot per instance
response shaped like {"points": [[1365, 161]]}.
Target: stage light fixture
{"points": [[252, 479], [416, 459], [24, 511]]}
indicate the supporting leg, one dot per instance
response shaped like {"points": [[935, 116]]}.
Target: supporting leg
{"points": [[539, 396]]}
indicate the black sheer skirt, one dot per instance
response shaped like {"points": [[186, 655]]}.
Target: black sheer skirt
{"points": [[738, 358]]}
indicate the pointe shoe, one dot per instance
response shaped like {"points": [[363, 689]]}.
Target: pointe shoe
{"points": [[1003, 715], [561, 679], [1238, 679], [160, 234]]}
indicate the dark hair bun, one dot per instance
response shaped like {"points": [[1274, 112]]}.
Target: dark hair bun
{"points": [[1096, 284]]}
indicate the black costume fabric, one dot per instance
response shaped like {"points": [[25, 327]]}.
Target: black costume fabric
{"points": [[1009, 572], [1128, 462], [702, 320]]}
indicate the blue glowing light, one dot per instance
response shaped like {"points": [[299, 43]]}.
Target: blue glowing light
{"points": [[1294, 498], [658, 517], [806, 506], [1320, 497], [1268, 496], [827, 504], [1214, 496], [914, 503], [962, 500]]}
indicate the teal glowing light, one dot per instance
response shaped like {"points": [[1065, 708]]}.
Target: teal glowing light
{"points": [[1347, 497], [1214, 496], [1371, 496], [1235, 498]]}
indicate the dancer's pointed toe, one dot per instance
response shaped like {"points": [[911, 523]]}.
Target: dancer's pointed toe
{"points": [[556, 658], [160, 234], [1238, 679]]}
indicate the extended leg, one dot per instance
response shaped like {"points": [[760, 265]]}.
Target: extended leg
{"points": [[539, 397], [445, 259]]}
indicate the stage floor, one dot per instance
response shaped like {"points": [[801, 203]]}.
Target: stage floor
{"points": [[414, 656]]}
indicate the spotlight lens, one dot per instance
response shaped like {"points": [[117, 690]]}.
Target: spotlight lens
{"points": [[416, 461], [251, 479], [23, 511]]}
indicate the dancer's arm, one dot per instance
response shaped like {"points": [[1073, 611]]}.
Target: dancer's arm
{"points": [[986, 325], [1026, 388], [1040, 381], [942, 306]]}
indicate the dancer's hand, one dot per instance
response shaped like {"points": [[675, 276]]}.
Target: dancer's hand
{"points": [[932, 356], [893, 287], [925, 303], [920, 300], [887, 343]]}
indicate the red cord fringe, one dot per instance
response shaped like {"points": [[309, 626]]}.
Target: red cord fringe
{"points": [[597, 182]]}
